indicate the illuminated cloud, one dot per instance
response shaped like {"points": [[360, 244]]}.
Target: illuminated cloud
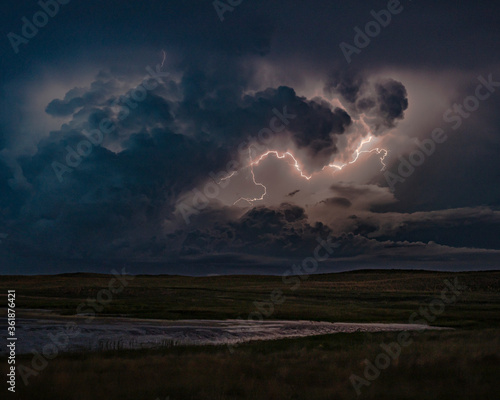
{"points": [[321, 174]]}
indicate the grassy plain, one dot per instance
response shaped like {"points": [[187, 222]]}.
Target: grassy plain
{"points": [[463, 363]]}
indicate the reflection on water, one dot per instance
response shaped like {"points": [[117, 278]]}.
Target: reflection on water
{"points": [[75, 334]]}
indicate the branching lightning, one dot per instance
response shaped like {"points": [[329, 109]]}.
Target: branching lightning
{"points": [[256, 162], [256, 184], [286, 154], [358, 152], [297, 166]]}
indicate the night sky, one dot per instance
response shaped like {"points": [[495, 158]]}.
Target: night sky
{"points": [[199, 137]]}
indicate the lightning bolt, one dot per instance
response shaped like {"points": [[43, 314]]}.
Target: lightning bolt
{"points": [[283, 155], [250, 201], [296, 165], [227, 177], [257, 162], [164, 57], [358, 153]]}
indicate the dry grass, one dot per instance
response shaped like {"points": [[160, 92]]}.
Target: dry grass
{"points": [[368, 296], [439, 365]]}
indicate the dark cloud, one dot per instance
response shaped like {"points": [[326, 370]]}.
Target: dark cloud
{"points": [[278, 231], [316, 128], [337, 202], [382, 102], [392, 100], [346, 83], [62, 108], [135, 177], [285, 232], [225, 79]]}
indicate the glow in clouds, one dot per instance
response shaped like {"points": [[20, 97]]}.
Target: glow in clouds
{"points": [[359, 152], [296, 165]]}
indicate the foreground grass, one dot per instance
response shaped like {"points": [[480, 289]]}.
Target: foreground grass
{"points": [[459, 364], [462, 364]]}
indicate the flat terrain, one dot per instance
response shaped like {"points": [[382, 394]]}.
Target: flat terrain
{"points": [[462, 363], [366, 296]]}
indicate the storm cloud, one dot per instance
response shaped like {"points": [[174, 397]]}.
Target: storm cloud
{"points": [[269, 68]]}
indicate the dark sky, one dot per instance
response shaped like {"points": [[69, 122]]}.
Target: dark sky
{"points": [[154, 135]]}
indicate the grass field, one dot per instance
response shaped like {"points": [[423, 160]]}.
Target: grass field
{"points": [[463, 363], [367, 296]]}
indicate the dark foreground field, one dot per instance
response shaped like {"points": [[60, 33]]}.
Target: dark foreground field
{"points": [[463, 363]]}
